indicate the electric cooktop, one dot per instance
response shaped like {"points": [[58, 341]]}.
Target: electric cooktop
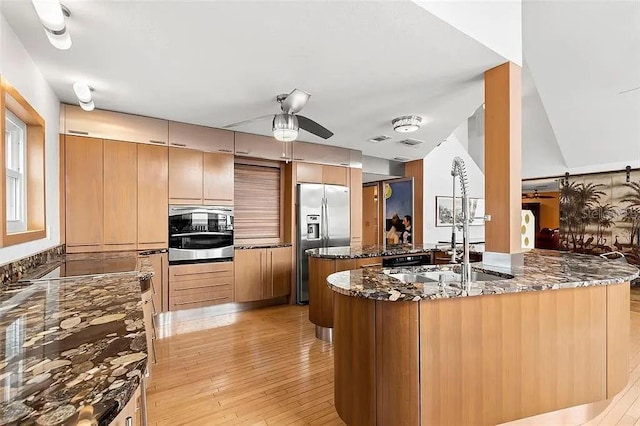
{"points": [[89, 267]]}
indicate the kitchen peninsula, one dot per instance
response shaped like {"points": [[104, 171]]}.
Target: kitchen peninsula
{"points": [[327, 260], [546, 336], [76, 347]]}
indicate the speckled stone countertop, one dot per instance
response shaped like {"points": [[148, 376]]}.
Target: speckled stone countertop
{"points": [[359, 252], [260, 246], [72, 343], [542, 270]]}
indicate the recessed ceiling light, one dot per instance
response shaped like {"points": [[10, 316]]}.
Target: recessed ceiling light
{"points": [[406, 124]]}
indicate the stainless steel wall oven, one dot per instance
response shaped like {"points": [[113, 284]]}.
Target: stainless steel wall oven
{"points": [[200, 233]]}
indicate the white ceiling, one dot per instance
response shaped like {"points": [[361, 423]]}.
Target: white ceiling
{"points": [[214, 63], [581, 55]]}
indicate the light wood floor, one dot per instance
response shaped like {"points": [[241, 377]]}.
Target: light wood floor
{"points": [[265, 367], [262, 367]]}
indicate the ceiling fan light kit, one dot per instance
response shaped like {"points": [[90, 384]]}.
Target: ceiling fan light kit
{"points": [[52, 17], [287, 124], [285, 127], [406, 123]]}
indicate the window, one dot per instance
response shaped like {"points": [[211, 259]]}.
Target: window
{"points": [[15, 154], [22, 181]]}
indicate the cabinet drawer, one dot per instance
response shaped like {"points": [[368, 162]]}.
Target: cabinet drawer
{"points": [[200, 271], [200, 285], [205, 297]]}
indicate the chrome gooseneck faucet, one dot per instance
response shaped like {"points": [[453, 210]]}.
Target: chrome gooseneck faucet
{"points": [[458, 169]]}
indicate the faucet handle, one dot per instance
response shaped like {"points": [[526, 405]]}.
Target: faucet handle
{"points": [[485, 218]]}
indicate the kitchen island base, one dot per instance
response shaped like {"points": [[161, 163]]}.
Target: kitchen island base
{"points": [[479, 360], [324, 333]]}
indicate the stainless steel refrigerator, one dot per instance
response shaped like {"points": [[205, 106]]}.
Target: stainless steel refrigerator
{"points": [[323, 221]]}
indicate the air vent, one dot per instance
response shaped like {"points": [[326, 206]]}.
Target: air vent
{"points": [[379, 138], [402, 159], [410, 142]]}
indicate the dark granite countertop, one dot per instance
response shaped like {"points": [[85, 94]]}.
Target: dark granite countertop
{"points": [[542, 270], [260, 246], [71, 343], [358, 252]]}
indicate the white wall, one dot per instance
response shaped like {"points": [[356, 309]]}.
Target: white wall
{"points": [[437, 182], [17, 67]]}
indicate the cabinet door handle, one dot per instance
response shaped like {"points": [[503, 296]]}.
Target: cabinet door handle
{"points": [[370, 265], [226, 150], [78, 132], [128, 421], [242, 152], [158, 142], [178, 144]]}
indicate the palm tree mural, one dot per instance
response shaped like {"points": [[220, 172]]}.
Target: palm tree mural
{"points": [[605, 215], [578, 206], [631, 214]]}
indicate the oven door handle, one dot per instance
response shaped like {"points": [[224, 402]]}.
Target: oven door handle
{"points": [[191, 234]]}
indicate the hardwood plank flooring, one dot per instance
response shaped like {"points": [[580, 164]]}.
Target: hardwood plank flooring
{"points": [[265, 367], [260, 367]]}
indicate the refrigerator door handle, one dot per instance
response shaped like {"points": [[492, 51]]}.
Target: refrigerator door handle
{"points": [[322, 223]]}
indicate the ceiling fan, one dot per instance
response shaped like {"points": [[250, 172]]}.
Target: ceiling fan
{"points": [[535, 195], [286, 125]]}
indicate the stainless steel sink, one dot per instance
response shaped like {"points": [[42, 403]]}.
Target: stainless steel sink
{"points": [[412, 278], [446, 276]]}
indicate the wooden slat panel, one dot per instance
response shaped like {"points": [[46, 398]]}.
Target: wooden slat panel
{"points": [[257, 202], [617, 338], [512, 356], [397, 363], [354, 362]]}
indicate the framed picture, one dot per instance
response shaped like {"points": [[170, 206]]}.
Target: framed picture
{"points": [[444, 211], [398, 210]]}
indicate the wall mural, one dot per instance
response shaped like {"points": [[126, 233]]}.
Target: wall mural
{"points": [[601, 213]]}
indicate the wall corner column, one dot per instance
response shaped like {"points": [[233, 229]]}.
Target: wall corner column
{"points": [[503, 164]]}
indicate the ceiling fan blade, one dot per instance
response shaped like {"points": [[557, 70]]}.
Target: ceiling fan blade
{"points": [[312, 127], [251, 120], [295, 101]]}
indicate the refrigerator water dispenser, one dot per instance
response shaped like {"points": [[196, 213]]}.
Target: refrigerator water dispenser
{"points": [[313, 227]]}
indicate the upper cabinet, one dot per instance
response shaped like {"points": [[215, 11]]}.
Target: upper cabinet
{"points": [[185, 176], [256, 146], [355, 191], [114, 125], [153, 203], [202, 138], [322, 154], [218, 179], [318, 173]]}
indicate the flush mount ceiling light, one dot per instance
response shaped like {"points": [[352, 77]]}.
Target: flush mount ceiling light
{"points": [[285, 127], [406, 124], [83, 93], [52, 16]]}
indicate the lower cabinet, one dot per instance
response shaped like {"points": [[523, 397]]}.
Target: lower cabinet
{"points": [[149, 325], [262, 273], [200, 284], [159, 282]]}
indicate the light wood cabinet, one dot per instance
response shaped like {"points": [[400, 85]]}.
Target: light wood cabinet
{"points": [[120, 195], [249, 274], [153, 202], [149, 329], [318, 173], [84, 194], [218, 179], [201, 284], [335, 175], [160, 281], [203, 138], [114, 125], [185, 176], [355, 191], [262, 273], [322, 154], [309, 173], [256, 146], [281, 267]]}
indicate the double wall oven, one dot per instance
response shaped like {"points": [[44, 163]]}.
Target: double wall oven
{"points": [[200, 234]]}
